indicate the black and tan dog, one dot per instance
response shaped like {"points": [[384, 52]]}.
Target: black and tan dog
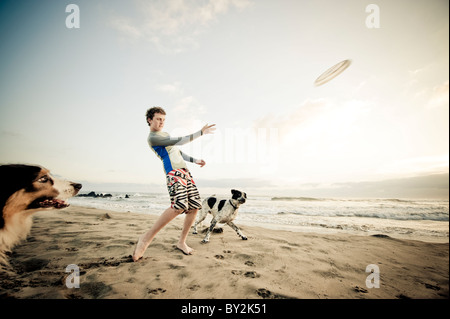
{"points": [[25, 189], [223, 211]]}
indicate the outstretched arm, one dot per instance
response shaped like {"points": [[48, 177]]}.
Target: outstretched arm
{"points": [[157, 140]]}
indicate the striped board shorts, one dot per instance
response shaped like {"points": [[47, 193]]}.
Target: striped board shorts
{"points": [[182, 190]]}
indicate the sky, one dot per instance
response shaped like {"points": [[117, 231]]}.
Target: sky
{"points": [[73, 99]]}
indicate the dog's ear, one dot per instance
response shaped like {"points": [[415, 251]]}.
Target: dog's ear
{"points": [[236, 194], [15, 177]]}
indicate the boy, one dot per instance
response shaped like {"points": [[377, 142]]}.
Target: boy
{"points": [[183, 192]]}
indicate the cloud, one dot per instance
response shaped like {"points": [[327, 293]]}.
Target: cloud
{"points": [[173, 26], [11, 134], [287, 122], [183, 103], [423, 89], [185, 110], [434, 186], [416, 165], [427, 186], [315, 118], [170, 88], [439, 96], [238, 183], [125, 28]]}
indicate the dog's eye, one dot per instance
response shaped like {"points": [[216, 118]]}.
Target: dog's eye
{"points": [[43, 179]]}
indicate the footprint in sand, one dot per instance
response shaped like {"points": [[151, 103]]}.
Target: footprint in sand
{"points": [[360, 289], [267, 294], [108, 262], [248, 274], [194, 287], [433, 287], [264, 293], [156, 291]]}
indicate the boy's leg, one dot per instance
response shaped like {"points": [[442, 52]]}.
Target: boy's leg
{"points": [[145, 240], [188, 222]]}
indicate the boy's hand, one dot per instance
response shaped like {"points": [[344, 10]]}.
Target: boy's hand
{"points": [[208, 129], [201, 163]]}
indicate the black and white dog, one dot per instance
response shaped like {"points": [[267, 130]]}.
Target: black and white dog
{"points": [[224, 211], [25, 189]]}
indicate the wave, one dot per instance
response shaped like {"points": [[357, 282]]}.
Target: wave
{"points": [[314, 199], [393, 200], [303, 199], [393, 215]]}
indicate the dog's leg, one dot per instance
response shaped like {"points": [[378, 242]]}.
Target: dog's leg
{"points": [[208, 233], [237, 230], [201, 217]]}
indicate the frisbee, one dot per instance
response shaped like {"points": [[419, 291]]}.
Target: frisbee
{"points": [[332, 72]]}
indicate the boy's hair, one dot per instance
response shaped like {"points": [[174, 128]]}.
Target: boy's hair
{"points": [[152, 111]]}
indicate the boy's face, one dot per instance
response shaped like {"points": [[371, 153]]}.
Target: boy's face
{"points": [[157, 123]]}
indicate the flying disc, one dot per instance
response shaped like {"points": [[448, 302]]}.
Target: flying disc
{"points": [[332, 72]]}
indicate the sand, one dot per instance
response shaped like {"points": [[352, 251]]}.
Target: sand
{"points": [[271, 264]]}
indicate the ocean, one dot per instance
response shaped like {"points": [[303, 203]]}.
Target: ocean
{"points": [[426, 220]]}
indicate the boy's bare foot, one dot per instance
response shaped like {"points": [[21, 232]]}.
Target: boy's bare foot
{"points": [[139, 250], [185, 249]]}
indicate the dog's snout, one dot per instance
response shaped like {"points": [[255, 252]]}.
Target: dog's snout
{"points": [[76, 186]]}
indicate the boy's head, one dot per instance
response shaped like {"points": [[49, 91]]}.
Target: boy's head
{"points": [[155, 117]]}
